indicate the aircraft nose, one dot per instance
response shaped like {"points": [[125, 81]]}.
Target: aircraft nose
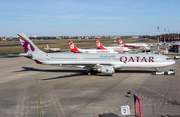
{"points": [[173, 62]]}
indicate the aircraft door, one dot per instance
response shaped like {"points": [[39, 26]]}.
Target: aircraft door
{"points": [[159, 58], [79, 58]]}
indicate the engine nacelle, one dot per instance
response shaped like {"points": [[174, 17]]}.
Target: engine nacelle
{"points": [[106, 69]]}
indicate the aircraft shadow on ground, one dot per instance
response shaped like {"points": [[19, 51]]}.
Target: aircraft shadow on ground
{"points": [[133, 71], [55, 70], [48, 70], [59, 77], [78, 72], [74, 75]]}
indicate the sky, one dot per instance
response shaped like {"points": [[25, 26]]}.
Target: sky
{"points": [[88, 17]]}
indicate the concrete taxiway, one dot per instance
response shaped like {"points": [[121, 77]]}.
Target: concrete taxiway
{"points": [[28, 89]]}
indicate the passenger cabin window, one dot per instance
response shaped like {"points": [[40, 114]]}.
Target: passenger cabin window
{"points": [[168, 58]]}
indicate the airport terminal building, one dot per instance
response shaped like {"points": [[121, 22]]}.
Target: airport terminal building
{"points": [[176, 47]]}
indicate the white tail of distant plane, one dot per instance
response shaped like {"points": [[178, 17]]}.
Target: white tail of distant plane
{"points": [[48, 47]]}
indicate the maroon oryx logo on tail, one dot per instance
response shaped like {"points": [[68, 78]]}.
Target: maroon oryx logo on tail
{"points": [[26, 45]]}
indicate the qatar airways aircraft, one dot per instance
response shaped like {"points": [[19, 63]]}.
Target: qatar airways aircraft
{"points": [[134, 45], [74, 49], [100, 62], [118, 49]]}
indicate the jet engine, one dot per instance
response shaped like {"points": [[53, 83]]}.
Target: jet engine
{"points": [[105, 69]]}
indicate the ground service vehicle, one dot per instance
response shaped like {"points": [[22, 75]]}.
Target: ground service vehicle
{"points": [[176, 57], [170, 72]]}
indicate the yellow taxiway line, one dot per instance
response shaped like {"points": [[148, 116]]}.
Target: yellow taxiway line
{"points": [[38, 97]]}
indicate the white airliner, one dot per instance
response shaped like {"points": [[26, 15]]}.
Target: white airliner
{"points": [[53, 49], [100, 62], [118, 49], [134, 45], [74, 49]]}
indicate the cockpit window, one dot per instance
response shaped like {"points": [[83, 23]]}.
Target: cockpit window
{"points": [[168, 59]]}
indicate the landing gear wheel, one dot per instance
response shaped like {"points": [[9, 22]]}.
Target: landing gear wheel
{"points": [[84, 73], [89, 73], [165, 73]]}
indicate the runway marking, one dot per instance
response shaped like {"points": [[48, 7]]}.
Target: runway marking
{"points": [[38, 97], [134, 73], [39, 106], [91, 93], [35, 106]]}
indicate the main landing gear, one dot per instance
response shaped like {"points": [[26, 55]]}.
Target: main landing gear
{"points": [[89, 72]]}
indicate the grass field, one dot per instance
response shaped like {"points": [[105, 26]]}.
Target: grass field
{"points": [[15, 46]]}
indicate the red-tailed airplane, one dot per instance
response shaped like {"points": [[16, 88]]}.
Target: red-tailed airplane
{"points": [[74, 49], [118, 49], [134, 45], [99, 62]]}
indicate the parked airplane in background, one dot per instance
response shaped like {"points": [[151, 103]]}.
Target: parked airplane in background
{"points": [[53, 49], [134, 45], [100, 62], [74, 49], [118, 49]]}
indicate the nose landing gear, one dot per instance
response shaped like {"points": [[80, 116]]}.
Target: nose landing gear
{"points": [[157, 69]]}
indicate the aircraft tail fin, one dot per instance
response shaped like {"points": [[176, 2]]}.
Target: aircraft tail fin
{"points": [[73, 47], [28, 45], [121, 43], [99, 45], [48, 47]]}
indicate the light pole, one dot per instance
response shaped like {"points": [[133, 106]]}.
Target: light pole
{"points": [[172, 36], [158, 37], [164, 35], [169, 36]]}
